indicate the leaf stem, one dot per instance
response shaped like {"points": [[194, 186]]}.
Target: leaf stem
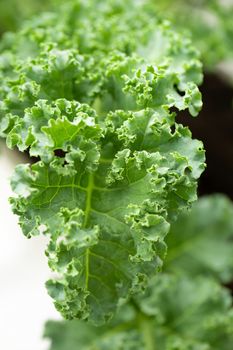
{"points": [[86, 218], [145, 326]]}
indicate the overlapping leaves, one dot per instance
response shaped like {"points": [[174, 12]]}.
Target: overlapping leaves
{"points": [[105, 205], [82, 94], [176, 314], [178, 311]]}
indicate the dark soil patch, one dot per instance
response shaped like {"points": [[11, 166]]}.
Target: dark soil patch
{"points": [[214, 126]]}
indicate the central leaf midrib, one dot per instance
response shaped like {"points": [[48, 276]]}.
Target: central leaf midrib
{"points": [[89, 191], [88, 209]]}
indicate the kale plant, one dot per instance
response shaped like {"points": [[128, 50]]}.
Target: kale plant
{"points": [[91, 92]]}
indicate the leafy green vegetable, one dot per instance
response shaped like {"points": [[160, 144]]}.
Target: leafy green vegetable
{"points": [[179, 310], [210, 24], [91, 91]]}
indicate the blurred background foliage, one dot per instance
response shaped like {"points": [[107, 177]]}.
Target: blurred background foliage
{"points": [[13, 12], [208, 22]]}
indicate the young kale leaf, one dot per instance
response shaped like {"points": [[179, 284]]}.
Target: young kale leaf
{"points": [[93, 100]]}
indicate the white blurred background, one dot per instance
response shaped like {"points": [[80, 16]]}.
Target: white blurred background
{"points": [[24, 303]]}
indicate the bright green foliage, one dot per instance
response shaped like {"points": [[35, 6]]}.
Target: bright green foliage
{"points": [[210, 25], [90, 91], [177, 312]]}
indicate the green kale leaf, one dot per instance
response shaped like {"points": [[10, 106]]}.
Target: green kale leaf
{"points": [[95, 102]]}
